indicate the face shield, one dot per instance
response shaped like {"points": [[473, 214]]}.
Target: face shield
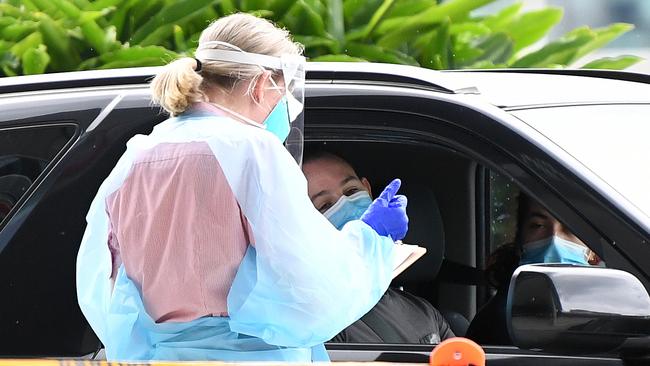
{"points": [[292, 68]]}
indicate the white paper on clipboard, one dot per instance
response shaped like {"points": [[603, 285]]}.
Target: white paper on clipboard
{"points": [[405, 255]]}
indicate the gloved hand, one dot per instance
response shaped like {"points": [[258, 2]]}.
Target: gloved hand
{"points": [[387, 214]]}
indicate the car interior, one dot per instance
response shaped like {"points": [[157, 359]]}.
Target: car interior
{"points": [[459, 209], [439, 184]]}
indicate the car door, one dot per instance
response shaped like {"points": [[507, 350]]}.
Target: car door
{"points": [[56, 147], [405, 122]]}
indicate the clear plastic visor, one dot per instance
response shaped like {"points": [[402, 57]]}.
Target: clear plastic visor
{"points": [[292, 68]]}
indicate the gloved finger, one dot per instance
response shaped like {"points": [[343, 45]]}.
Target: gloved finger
{"points": [[398, 201], [390, 190]]}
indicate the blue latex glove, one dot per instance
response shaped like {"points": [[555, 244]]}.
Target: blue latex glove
{"points": [[387, 214]]}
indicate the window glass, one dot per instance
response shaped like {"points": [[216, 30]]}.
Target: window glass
{"points": [[24, 154], [537, 224], [609, 140], [503, 210]]}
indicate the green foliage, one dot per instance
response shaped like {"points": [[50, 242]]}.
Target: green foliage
{"points": [[39, 36]]}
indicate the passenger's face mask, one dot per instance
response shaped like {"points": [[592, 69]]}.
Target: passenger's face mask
{"points": [[348, 208], [554, 250]]}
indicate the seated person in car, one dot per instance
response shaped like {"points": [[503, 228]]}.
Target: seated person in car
{"points": [[540, 238], [399, 317]]}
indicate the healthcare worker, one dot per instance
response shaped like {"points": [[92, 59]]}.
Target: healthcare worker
{"points": [[202, 243]]}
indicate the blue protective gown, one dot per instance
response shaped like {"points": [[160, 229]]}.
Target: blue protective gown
{"points": [[301, 283]]}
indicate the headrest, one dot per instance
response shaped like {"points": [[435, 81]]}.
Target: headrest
{"points": [[12, 187], [426, 230]]}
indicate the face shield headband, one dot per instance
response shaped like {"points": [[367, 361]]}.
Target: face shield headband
{"points": [[293, 73]]}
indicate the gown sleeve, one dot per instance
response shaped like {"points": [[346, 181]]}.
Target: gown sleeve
{"points": [[94, 268], [301, 281]]}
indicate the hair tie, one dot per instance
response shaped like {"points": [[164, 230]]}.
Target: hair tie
{"points": [[198, 65]]}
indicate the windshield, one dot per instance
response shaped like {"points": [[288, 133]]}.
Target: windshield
{"points": [[610, 140]]}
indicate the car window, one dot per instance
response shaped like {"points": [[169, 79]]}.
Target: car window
{"points": [[609, 140], [504, 199], [503, 194], [24, 154]]}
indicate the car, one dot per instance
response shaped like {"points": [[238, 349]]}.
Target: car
{"points": [[463, 142]]}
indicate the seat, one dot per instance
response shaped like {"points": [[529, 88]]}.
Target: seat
{"points": [[426, 230]]}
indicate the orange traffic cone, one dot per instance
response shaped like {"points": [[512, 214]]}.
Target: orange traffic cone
{"points": [[457, 352]]}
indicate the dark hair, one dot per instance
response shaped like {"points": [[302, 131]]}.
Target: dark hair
{"points": [[312, 156]]}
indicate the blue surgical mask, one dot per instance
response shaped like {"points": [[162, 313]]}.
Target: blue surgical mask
{"points": [[348, 208], [277, 122], [553, 250]]}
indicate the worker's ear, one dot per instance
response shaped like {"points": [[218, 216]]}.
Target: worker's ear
{"points": [[259, 90], [366, 185]]}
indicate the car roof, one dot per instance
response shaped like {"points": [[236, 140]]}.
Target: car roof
{"points": [[506, 88]]}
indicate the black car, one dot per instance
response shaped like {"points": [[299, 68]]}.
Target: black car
{"points": [[463, 142]]}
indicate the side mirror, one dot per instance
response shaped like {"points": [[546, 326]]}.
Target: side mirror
{"points": [[575, 309]]}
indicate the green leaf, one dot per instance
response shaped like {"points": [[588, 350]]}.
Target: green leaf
{"points": [[435, 54], [379, 54], [31, 41], [603, 36], [454, 9], [64, 57], [12, 11], [399, 30], [377, 17], [464, 54], [27, 6], [47, 7], [119, 19], [357, 13], [485, 64], [179, 38], [504, 18], [228, 6], [172, 14], [158, 36], [410, 7], [337, 58], [335, 25], [253, 5], [18, 30], [67, 7], [471, 29], [6, 21], [280, 8], [533, 26], [561, 52], [82, 4], [5, 46], [316, 41], [35, 60], [304, 19], [98, 5], [137, 56], [497, 48], [99, 38], [613, 63]]}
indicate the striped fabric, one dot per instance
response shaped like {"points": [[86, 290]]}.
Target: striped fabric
{"points": [[179, 231]]}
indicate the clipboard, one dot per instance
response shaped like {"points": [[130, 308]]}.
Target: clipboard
{"points": [[405, 255]]}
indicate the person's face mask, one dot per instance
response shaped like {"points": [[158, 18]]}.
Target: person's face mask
{"points": [[348, 208], [277, 122], [553, 250]]}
